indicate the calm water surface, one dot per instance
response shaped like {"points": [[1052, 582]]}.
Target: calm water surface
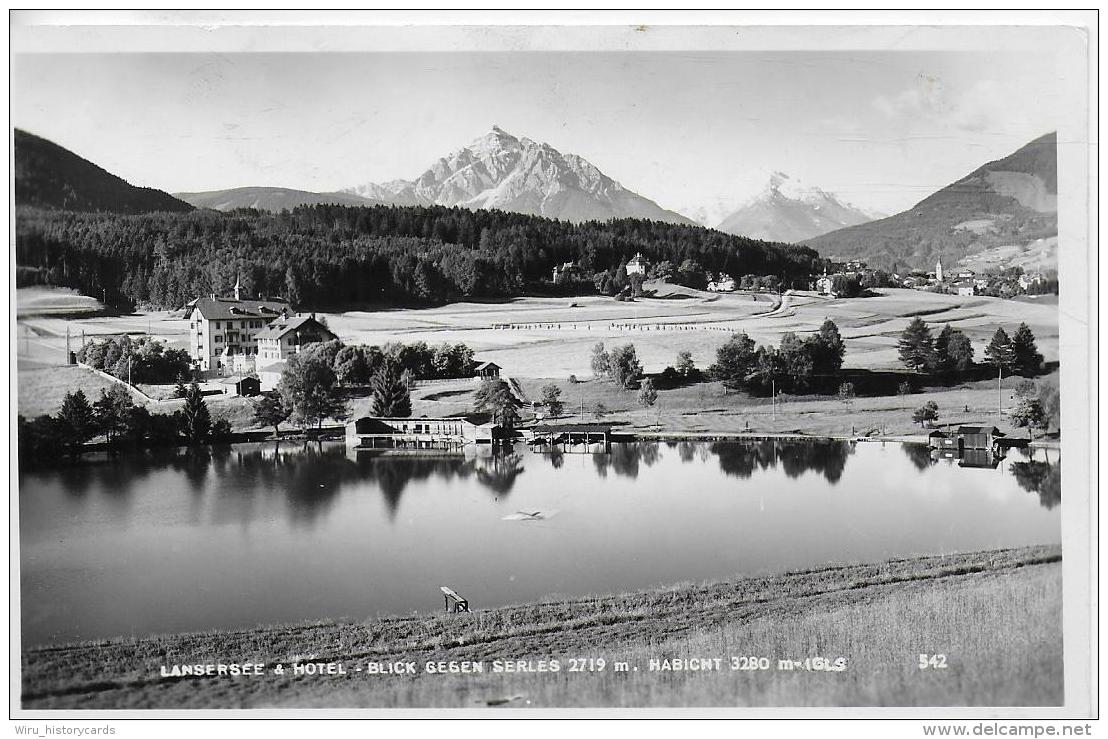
{"points": [[233, 537]]}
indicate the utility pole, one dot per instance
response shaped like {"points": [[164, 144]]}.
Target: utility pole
{"points": [[773, 397], [999, 391]]}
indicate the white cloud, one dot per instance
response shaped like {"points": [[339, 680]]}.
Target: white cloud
{"points": [[986, 106]]}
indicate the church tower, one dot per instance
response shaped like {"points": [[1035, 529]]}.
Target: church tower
{"points": [[939, 269], [238, 289]]}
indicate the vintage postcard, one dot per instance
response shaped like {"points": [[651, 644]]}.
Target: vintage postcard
{"points": [[383, 364]]}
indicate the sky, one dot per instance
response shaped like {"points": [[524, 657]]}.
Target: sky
{"points": [[881, 129]]}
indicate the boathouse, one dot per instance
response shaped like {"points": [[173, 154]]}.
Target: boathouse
{"points": [[372, 432], [942, 440], [978, 437], [571, 436]]}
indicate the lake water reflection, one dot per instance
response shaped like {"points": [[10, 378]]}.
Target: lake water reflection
{"points": [[264, 533]]}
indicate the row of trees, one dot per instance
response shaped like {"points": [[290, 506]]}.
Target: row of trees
{"points": [[357, 364], [796, 365], [951, 353], [327, 255], [116, 419], [144, 359]]}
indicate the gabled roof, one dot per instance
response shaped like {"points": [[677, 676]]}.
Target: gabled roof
{"points": [[488, 365], [283, 326], [228, 308], [236, 379], [980, 430]]}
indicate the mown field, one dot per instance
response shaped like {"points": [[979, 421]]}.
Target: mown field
{"points": [[541, 340], [995, 616]]}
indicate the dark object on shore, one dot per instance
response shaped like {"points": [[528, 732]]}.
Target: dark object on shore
{"points": [[459, 603]]}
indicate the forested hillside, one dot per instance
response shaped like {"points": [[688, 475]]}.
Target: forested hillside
{"points": [[334, 256], [1011, 201], [50, 176]]}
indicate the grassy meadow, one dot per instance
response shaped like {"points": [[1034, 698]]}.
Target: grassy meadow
{"points": [[541, 340], [995, 615]]}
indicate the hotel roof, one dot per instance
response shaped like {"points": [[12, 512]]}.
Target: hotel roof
{"points": [[229, 308]]}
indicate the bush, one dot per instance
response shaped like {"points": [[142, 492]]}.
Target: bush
{"points": [[904, 388]]}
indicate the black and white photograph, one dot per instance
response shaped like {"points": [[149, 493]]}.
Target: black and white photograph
{"points": [[495, 365]]}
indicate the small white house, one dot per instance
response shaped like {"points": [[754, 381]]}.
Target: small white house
{"points": [[725, 284], [637, 265], [825, 285], [965, 288]]}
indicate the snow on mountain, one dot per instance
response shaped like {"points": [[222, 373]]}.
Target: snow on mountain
{"points": [[789, 210], [505, 172]]}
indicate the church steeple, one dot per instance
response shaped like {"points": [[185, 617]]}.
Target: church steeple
{"points": [[939, 270], [238, 289]]}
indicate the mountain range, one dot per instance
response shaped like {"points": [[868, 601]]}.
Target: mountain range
{"points": [[50, 176], [505, 172], [268, 198], [1002, 213], [496, 171], [790, 211]]}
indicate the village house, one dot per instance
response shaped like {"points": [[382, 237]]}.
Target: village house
{"points": [[725, 284], [1026, 281], [284, 337], [965, 287], [223, 331], [637, 265], [825, 285], [561, 271]]}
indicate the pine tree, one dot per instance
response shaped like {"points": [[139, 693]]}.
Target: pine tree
{"points": [[78, 418], [999, 351], [112, 411], [916, 347], [196, 421], [496, 398], [391, 397], [1026, 358]]}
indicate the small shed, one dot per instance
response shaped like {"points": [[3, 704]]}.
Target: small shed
{"points": [[978, 437], [247, 386], [488, 371]]}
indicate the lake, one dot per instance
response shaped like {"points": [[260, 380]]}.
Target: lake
{"points": [[231, 537]]}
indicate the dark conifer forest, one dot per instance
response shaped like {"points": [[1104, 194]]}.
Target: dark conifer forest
{"points": [[326, 256]]}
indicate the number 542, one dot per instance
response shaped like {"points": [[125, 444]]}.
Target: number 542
{"points": [[932, 661]]}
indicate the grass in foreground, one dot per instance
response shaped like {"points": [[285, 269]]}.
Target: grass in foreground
{"points": [[995, 615]]}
